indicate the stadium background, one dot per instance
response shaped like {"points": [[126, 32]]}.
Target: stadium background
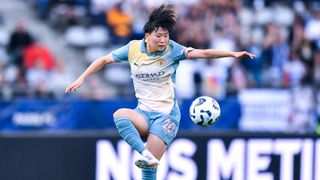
{"points": [[270, 106]]}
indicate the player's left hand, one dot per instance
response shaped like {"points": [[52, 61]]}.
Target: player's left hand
{"points": [[242, 54]]}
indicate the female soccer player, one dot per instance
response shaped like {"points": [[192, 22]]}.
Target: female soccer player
{"points": [[153, 61]]}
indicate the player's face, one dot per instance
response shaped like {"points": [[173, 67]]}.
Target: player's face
{"points": [[157, 40]]}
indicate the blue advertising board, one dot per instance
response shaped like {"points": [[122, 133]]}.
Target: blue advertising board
{"points": [[75, 114]]}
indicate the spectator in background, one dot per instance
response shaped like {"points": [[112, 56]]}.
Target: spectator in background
{"points": [[38, 79], [19, 40], [303, 117], [296, 33], [313, 25], [65, 14], [139, 13], [237, 79], [120, 24], [214, 79], [316, 70], [39, 63], [36, 52], [17, 80], [272, 58], [280, 51], [43, 7], [254, 69], [293, 71]]}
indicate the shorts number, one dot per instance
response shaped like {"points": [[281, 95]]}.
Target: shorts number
{"points": [[169, 126]]}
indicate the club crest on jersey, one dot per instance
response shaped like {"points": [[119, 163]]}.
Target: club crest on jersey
{"points": [[160, 62]]}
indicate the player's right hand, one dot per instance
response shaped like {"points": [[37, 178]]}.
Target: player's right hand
{"points": [[74, 86]]}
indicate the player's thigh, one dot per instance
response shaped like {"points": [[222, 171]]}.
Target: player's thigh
{"points": [[137, 119], [156, 146]]}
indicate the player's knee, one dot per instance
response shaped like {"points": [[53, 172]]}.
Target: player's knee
{"points": [[120, 113]]}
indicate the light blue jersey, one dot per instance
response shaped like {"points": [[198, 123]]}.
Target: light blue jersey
{"points": [[153, 74]]}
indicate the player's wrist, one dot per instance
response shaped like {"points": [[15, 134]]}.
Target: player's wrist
{"points": [[233, 54], [81, 79]]}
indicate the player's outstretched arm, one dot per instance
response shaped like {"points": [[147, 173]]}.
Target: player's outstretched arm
{"points": [[94, 67], [217, 53]]}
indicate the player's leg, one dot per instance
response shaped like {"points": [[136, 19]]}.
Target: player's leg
{"points": [[161, 133], [131, 126], [157, 147]]}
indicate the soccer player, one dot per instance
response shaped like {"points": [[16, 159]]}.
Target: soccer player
{"points": [[153, 61]]}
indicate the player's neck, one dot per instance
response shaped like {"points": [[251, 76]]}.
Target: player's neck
{"points": [[150, 50]]}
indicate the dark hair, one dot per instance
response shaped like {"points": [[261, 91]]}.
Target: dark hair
{"points": [[164, 17]]}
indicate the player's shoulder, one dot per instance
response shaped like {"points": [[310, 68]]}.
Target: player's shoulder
{"points": [[173, 44], [135, 47], [135, 42], [176, 47]]}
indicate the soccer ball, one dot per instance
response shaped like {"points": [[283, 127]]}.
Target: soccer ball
{"points": [[204, 111]]}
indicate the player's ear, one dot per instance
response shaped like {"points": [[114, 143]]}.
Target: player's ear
{"points": [[146, 35]]}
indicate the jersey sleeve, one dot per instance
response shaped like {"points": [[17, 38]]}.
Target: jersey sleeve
{"points": [[179, 51], [121, 54]]}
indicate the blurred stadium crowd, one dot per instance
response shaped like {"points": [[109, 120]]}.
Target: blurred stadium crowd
{"points": [[283, 34]]}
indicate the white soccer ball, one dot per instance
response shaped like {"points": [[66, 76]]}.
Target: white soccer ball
{"points": [[204, 111]]}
